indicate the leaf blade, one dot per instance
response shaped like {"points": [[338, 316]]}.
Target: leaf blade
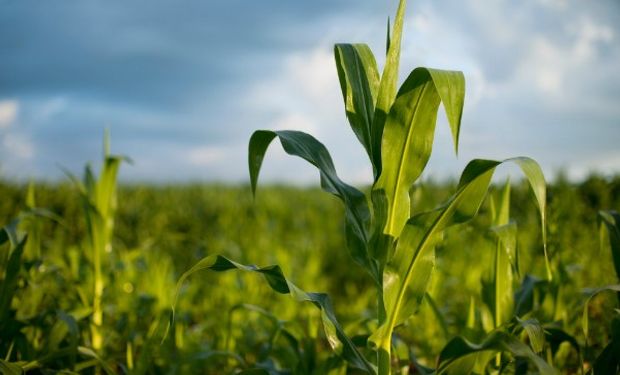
{"points": [[357, 213], [408, 135], [497, 341], [388, 84], [359, 81], [278, 282]]}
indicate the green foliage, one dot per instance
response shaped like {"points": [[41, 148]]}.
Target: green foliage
{"points": [[90, 291], [160, 231], [99, 202], [338, 340], [397, 130]]}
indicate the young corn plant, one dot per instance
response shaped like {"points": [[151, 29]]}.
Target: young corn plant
{"points": [[99, 203], [29, 342], [396, 127]]}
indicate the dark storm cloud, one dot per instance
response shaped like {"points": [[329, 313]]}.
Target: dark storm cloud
{"points": [[146, 52], [182, 84]]}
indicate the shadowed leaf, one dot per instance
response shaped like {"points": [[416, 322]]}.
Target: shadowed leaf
{"points": [[276, 280]]}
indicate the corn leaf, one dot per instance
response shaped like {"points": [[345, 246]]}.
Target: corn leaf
{"points": [[88, 352], [359, 81], [496, 342], [608, 361], [408, 135], [585, 320], [610, 220], [525, 295], [387, 86], [537, 182], [336, 336], [66, 325], [406, 274], [535, 333], [357, 214], [8, 368], [9, 233], [387, 38], [9, 282], [414, 255], [500, 301]]}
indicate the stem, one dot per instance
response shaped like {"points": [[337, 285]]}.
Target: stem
{"points": [[383, 360], [97, 340], [498, 357], [383, 354]]}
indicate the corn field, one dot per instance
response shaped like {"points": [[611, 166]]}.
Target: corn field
{"points": [[400, 276]]}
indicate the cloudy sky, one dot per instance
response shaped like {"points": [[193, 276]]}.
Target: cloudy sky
{"points": [[182, 85]]}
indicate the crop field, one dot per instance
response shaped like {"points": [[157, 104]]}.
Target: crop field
{"points": [[232, 321], [403, 275]]}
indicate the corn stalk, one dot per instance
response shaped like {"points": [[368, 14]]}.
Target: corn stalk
{"points": [[99, 203], [396, 127]]}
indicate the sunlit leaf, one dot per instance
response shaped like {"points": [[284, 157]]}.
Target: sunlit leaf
{"points": [[409, 132], [407, 273]]}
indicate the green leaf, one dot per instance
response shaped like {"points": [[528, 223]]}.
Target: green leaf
{"points": [[610, 220], [387, 38], [9, 283], [585, 316], [88, 352], [471, 314], [387, 86], [608, 361], [536, 178], [9, 233], [500, 206], [359, 81], [505, 248], [556, 336], [8, 368], [155, 335], [65, 325], [357, 214], [408, 135], [439, 315], [535, 333], [407, 273], [496, 341], [276, 280], [524, 297]]}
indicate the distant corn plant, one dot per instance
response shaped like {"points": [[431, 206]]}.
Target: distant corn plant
{"points": [[99, 204], [23, 235], [396, 127]]}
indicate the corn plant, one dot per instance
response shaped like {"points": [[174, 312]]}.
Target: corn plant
{"points": [[396, 128], [99, 204], [23, 235]]}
